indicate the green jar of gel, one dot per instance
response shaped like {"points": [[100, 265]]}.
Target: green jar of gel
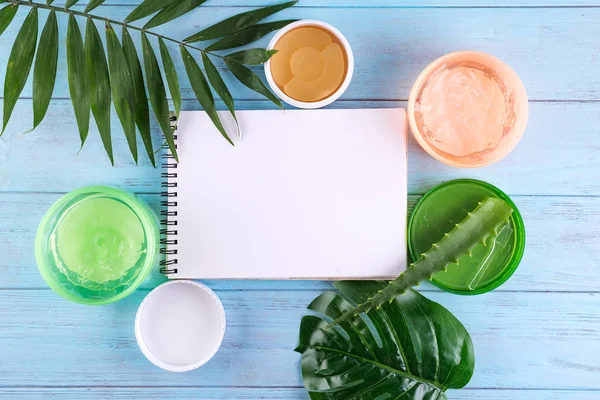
{"points": [[491, 264], [97, 244]]}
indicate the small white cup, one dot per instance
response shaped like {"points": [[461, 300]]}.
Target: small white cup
{"points": [[335, 95], [180, 325]]}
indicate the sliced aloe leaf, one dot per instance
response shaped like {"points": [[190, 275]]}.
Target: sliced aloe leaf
{"points": [[93, 4], [76, 70], [251, 56], [71, 3], [122, 88], [248, 35], [171, 75], [148, 7], [44, 70], [217, 83], [19, 64], [140, 100], [6, 16], [173, 11], [98, 84], [158, 95], [237, 23], [202, 90], [251, 80]]}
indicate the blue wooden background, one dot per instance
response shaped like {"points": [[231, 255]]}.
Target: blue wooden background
{"points": [[537, 337]]}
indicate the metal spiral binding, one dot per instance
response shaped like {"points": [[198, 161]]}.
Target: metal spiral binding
{"points": [[168, 241]]}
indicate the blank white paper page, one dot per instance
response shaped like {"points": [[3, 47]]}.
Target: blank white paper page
{"points": [[305, 194]]}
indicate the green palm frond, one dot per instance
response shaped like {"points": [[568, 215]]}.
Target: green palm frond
{"points": [[101, 74]]}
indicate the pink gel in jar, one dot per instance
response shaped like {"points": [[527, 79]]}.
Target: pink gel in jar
{"points": [[468, 109]]}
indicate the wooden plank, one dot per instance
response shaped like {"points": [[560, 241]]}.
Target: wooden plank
{"points": [[250, 393], [561, 252], [521, 339], [374, 3], [393, 45], [48, 160]]}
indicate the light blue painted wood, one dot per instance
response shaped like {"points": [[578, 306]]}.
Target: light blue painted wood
{"points": [[537, 337], [210, 393], [558, 154], [521, 339], [562, 235]]}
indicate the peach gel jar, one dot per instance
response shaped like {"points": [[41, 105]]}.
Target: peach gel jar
{"points": [[468, 109]]}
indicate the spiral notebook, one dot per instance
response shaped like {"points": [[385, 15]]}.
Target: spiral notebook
{"points": [[303, 194]]}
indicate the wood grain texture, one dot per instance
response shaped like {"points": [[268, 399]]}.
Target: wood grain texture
{"points": [[558, 154], [537, 337], [562, 235], [520, 338], [393, 45], [211, 393]]}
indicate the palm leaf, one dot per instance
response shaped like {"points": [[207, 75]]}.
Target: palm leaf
{"points": [[252, 81], [202, 90], [248, 35], [77, 76], [98, 84], [19, 64], [217, 83], [148, 7], [140, 100], [70, 3], [251, 56], [423, 348], [121, 85], [173, 11], [237, 23], [44, 70], [93, 4], [6, 16], [171, 74], [158, 95]]}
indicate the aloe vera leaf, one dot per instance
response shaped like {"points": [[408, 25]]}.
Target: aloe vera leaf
{"points": [[486, 220], [237, 22]]}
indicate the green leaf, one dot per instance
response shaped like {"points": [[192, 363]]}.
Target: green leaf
{"points": [[70, 3], [251, 56], [93, 4], [6, 16], [140, 100], [237, 22], [98, 84], [173, 11], [251, 80], [158, 95], [217, 83], [49, 2], [148, 7], [19, 64], [121, 85], [171, 75], [44, 70], [248, 35], [202, 90], [77, 76], [423, 348]]}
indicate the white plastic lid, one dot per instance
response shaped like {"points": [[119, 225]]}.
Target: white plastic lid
{"points": [[180, 325]]}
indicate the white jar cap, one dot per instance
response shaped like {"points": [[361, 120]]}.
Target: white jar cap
{"points": [[180, 325]]}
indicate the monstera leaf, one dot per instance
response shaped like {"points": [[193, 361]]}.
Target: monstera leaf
{"points": [[409, 348]]}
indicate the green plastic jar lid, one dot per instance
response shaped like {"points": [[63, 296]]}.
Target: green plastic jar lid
{"points": [[97, 244], [490, 265]]}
